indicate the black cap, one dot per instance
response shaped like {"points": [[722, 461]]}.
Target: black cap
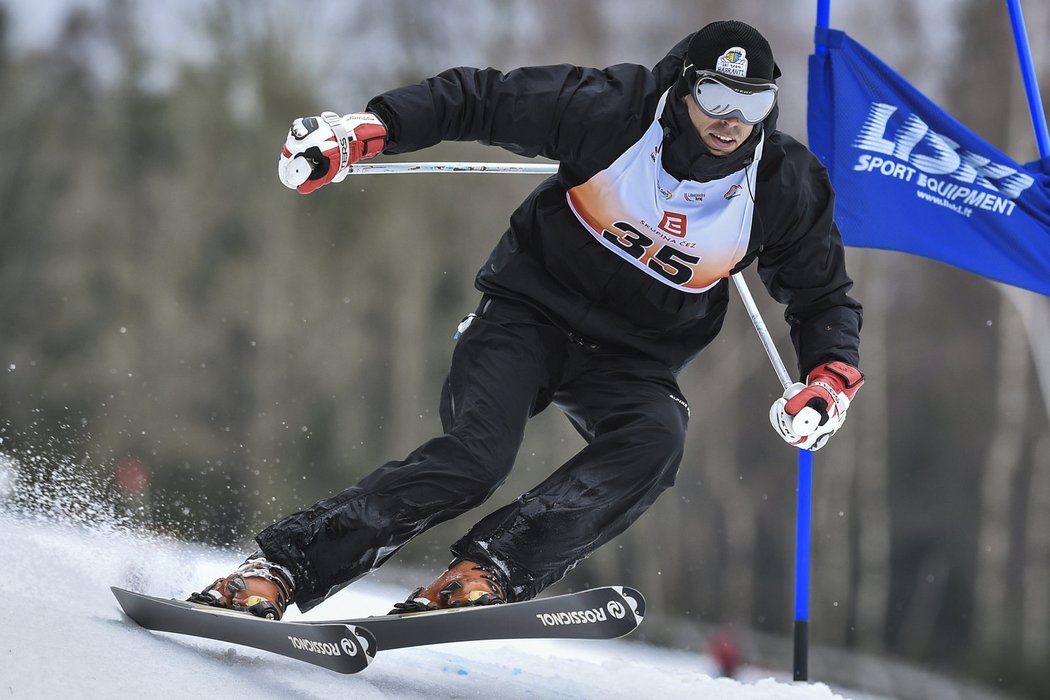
{"points": [[733, 48]]}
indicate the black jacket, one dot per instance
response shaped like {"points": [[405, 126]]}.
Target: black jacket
{"points": [[585, 118]]}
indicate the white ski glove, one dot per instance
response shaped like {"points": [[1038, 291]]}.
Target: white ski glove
{"points": [[321, 149], [807, 415]]}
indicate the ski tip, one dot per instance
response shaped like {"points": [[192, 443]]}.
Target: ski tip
{"points": [[122, 594], [118, 593]]}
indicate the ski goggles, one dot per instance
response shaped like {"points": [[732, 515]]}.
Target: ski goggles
{"points": [[721, 96]]}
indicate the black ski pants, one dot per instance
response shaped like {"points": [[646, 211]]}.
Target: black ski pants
{"points": [[508, 365]]}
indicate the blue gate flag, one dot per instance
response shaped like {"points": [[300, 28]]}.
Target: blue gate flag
{"points": [[908, 177]]}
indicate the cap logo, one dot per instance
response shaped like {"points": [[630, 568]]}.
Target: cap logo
{"points": [[733, 62]]}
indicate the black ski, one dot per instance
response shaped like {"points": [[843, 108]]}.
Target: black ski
{"points": [[348, 646], [596, 613], [338, 646]]}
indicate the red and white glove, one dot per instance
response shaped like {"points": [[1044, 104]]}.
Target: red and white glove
{"points": [[321, 149], [808, 414]]}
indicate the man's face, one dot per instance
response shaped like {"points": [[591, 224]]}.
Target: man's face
{"points": [[721, 136]]}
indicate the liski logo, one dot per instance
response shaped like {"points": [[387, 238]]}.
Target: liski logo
{"points": [[943, 173]]}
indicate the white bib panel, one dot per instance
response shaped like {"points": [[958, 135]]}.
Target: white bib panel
{"points": [[686, 234]]}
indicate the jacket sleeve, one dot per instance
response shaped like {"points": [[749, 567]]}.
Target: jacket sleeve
{"points": [[802, 263], [558, 111]]}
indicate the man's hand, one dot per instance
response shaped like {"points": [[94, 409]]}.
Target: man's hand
{"points": [[808, 414], [321, 149]]}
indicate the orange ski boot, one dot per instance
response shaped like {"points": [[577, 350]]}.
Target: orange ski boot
{"points": [[465, 583], [258, 586]]}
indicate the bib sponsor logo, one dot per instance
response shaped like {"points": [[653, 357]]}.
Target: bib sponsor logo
{"points": [[733, 191], [674, 224]]}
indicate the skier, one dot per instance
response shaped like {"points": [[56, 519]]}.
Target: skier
{"points": [[611, 278]]}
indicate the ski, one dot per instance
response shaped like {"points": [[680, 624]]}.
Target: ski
{"points": [[595, 613], [337, 646], [348, 646]]}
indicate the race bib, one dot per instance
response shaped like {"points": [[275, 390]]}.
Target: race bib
{"points": [[686, 234]]}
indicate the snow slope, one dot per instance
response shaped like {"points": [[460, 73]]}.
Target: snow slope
{"points": [[64, 637]]}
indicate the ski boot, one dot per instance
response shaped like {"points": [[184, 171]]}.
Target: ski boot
{"points": [[258, 586], [465, 583]]}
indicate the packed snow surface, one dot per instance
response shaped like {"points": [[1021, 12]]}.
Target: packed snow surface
{"points": [[64, 636]]}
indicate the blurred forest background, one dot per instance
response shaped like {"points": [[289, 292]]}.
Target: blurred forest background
{"points": [[187, 338]]}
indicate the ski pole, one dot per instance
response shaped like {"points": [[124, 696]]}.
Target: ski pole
{"points": [[452, 167], [301, 167], [760, 328]]}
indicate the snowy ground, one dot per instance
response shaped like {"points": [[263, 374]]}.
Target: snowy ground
{"points": [[64, 636]]}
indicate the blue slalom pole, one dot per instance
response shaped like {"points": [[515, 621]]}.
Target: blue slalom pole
{"points": [[804, 503], [823, 19], [803, 531], [1031, 85]]}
